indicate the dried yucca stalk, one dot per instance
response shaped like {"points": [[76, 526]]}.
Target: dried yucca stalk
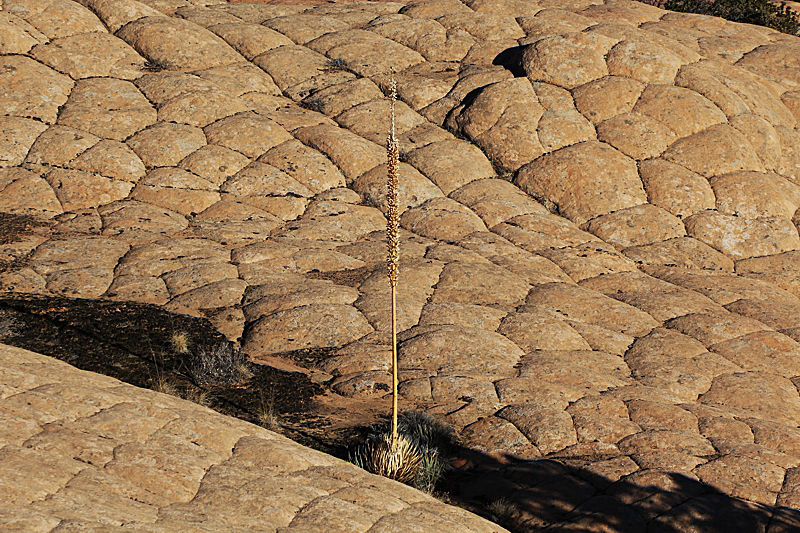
{"points": [[390, 454], [392, 243]]}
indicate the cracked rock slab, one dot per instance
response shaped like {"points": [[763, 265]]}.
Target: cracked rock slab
{"points": [[176, 43]]}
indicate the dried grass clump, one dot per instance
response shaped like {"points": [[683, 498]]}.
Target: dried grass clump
{"points": [[266, 414], [505, 513], [180, 342], [164, 385], [224, 364], [198, 396]]}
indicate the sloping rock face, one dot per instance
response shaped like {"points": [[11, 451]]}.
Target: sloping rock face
{"points": [[599, 272], [85, 452]]}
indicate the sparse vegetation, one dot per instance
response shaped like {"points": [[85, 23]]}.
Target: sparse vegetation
{"points": [[222, 364], [162, 382], [265, 413], [164, 385], [197, 395], [243, 370], [502, 172], [425, 447], [180, 342], [312, 104], [759, 12], [155, 65], [505, 513], [334, 65], [546, 202]]}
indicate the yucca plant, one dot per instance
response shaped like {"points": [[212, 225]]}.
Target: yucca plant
{"points": [[415, 448], [420, 457], [388, 453], [392, 456]]}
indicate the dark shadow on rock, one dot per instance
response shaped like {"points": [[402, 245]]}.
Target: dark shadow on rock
{"points": [[133, 342], [511, 60], [561, 495]]}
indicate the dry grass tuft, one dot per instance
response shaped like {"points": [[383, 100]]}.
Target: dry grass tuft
{"points": [[224, 364], [165, 385], [266, 415], [244, 372], [198, 396], [180, 342]]}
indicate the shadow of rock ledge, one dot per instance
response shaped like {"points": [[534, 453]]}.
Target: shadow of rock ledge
{"points": [[587, 495]]}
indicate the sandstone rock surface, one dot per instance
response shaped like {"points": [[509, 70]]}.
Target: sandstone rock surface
{"points": [[65, 465], [598, 289]]}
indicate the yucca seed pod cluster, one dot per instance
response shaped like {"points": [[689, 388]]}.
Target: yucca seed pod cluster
{"points": [[392, 187]]}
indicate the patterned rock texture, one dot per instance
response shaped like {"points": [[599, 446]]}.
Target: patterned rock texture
{"points": [[599, 286], [85, 452]]}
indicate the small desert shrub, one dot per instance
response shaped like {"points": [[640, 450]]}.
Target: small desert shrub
{"points": [[504, 513], [759, 12], [313, 104], [334, 65], [152, 65], [224, 364]]}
